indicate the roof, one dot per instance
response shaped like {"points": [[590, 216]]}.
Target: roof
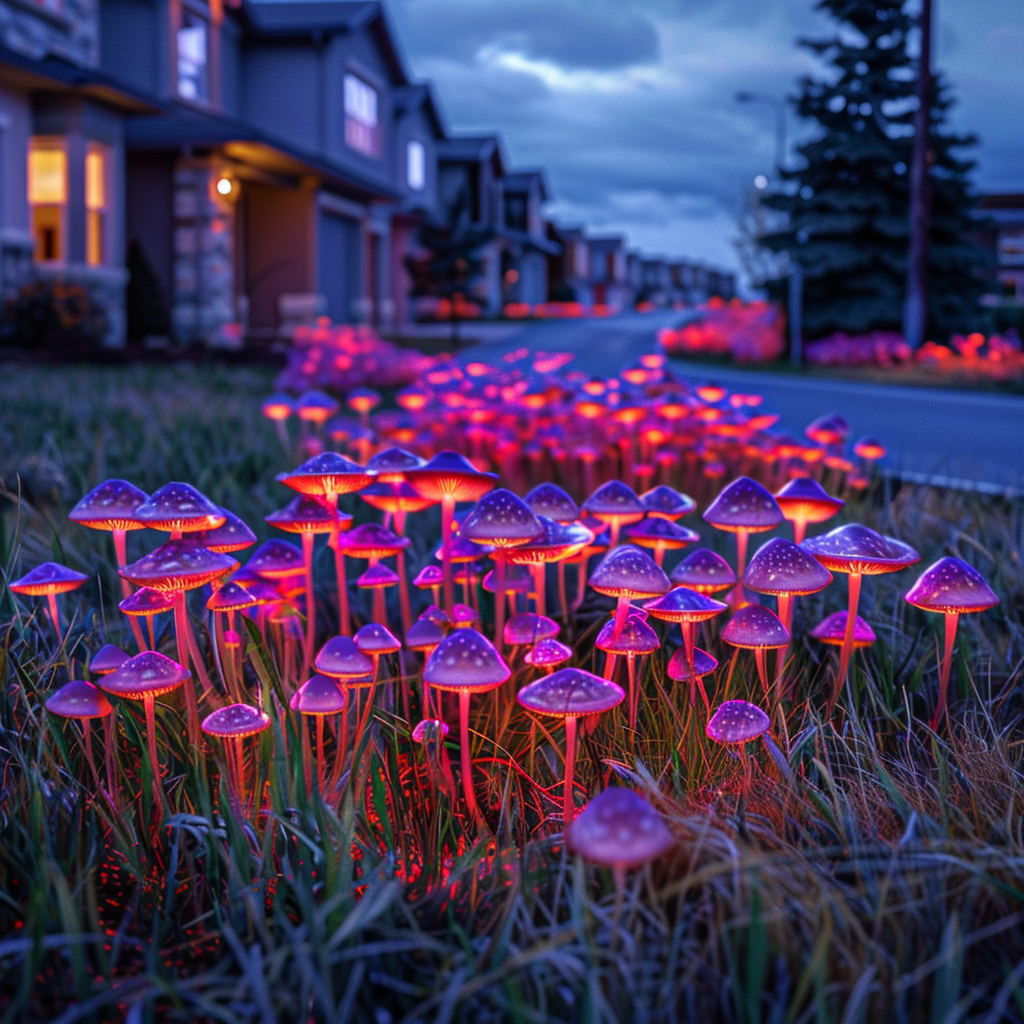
{"points": [[416, 97], [516, 181], [607, 242], [314, 19], [472, 149], [186, 126], [55, 73], [542, 243]]}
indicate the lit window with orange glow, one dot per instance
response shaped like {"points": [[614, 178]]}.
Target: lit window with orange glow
{"points": [[47, 197], [96, 201]]}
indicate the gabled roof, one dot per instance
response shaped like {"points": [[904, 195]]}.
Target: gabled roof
{"points": [[315, 19], [473, 149], [520, 181], [420, 97]]}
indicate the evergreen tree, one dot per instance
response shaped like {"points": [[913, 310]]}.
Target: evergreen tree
{"points": [[847, 207]]}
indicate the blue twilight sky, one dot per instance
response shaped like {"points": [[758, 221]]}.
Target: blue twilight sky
{"points": [[629, 104]]}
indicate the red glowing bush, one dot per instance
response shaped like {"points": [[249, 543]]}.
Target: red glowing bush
{"points": [[747, 332]]}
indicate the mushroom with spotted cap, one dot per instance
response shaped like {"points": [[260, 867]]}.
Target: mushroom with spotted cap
{"points": [[803, 500], [633, 641], [743, 507], [617, 505], [48, 580], [704, 571], [233, 724], [756, 628], [318, 697], [737, 723], [627, 573], [80, 699]]}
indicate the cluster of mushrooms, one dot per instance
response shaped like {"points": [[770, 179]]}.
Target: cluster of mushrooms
{"points": [[617, 540]]}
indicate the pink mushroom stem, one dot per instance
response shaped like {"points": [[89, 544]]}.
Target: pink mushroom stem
{"points": [[847, 648], [568, 805], [51, 604], [307, 563], [539, 586], [500, 557], [447, 517], [741, 554], [799, 529], [181, 638], [762, 672], [149, 703], [621, 611], [320, 751], [403, 592], [467, 761], [121, 555], [563, 601], [952, 618], [634, 696]]}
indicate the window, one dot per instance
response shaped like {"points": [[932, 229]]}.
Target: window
{"points": [[516, 212], [96, 203], [48, 196], [361, 131], [193, 69], [416, 165]]}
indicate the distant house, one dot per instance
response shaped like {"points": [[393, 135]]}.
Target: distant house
{"points": [[1004, 214], [569, 267], [525, 245], [656, 282], [609, 283]]}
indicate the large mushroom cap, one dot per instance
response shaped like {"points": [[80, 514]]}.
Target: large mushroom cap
{"points": [[570, 691], [304, 514], [615, 501], [424, 634], [635, 637], [149, 674], [372, 540], [327, 474], [48, 578], [619, 829], [79, 699], [342, 659], [465, 660], [107, 659], [659, 532], [744, 505], [501, 519], [755, 626], [704, 571], [679, 668], [528, 628], [737, 721], [236, 721], [450, 475], [178, 506], [548, 652], [803, 498], [684, 605], [276, 560], [373, 638], [832, 630], [319, 695], [392, 464], [556, 542], [951, 585], [854, 548], [780, 567], [146, 601], [627, 572], [110, 506], [178, 565], [663, 502], [551, 501], [396, 497], [231, 535]]}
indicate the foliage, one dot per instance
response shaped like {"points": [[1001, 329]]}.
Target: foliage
{"points": [[884, 884], [54, 316], [747, 332], [847, 206]]}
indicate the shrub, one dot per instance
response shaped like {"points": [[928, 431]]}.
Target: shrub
{"points": [[56, 317]]}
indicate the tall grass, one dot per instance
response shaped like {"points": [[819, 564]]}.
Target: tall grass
{"points": [[885, 883]]}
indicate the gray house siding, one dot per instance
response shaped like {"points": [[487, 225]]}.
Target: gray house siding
{"points": [[133, 36], [339, 267], [281, 93]]}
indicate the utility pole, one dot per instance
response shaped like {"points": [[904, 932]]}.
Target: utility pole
{"points": [[915, 310]]}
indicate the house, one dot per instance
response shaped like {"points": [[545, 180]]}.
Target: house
{"points": [[525, 245], [1004, 236], [62, 143], [655, 282], [569, 267], [608, 272]]}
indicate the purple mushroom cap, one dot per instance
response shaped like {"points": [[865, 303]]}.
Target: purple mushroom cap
{"points": [[635, 637], [327, 473], [342, 659], [744, 505], [528, 628], [423, 634], [951, 585], [374, 638], [570, 692], [704, 571], [146, 601], [48, 578], [737, 721], [107, 659], [178, 506], [501, 519], [319, 695], [372, 540], [664, 502], [619, 829], [149, 674], [684, 605], [755, 626], [276, 559], [615, 498], [465, 660], [551, 501], [548, 652], [780, 567], [679, 668], [236, 721], [854, 548], [179, 565], [79, 699], [832, 630], [378, 575], [654, 531], [430, 730], [231, 535], [110, 506], [628, 572]]}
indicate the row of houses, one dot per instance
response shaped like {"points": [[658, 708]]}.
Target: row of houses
{"points": [[207, 168]]}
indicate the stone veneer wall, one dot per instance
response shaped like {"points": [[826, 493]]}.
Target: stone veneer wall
{"points": [[203, 254], [65, 28]]}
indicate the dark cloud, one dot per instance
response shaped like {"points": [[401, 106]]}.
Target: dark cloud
{"points": [[630, 104]]}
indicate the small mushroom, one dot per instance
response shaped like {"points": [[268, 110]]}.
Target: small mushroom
{"points": [[430, 734], [737, 723], [617, 505], [233, 724], [832, 630], [743, 508], [692, 671], [547, 654], [318, 697], [567, 694], [633, 641], [81, 700], [704, 571], [627, 574], [48, 580], [663, 502], [803, 500], [178, 508], [756, 628]]}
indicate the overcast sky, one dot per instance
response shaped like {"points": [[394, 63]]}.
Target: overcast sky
{"points": [[629, 105]]}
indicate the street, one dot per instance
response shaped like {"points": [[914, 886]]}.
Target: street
{"points": [[940, 436]]}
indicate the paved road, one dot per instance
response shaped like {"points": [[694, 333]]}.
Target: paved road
{"points": [[936, 435]]}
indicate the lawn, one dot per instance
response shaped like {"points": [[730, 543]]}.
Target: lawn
{"points": [[885, 881]]}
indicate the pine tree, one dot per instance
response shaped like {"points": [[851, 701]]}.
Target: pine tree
{"points": [[847, 207]]}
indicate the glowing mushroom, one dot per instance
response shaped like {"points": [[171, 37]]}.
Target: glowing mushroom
{"points": [[231, 535], [737, 723], [756, 628], [951, 587], [178, 508], [692, 671], [233, 724], [857, 551], [803, 500], [320, 696], [547, 654], [617, 505], [430, 734], [660, 535], [146, 603], [48, 580], [704, 571], [81, 700], [567, 694], [106, 660], [743, 508], [633, 641], [627, 574], [466, 662], [832, 629], [430, 578]]}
